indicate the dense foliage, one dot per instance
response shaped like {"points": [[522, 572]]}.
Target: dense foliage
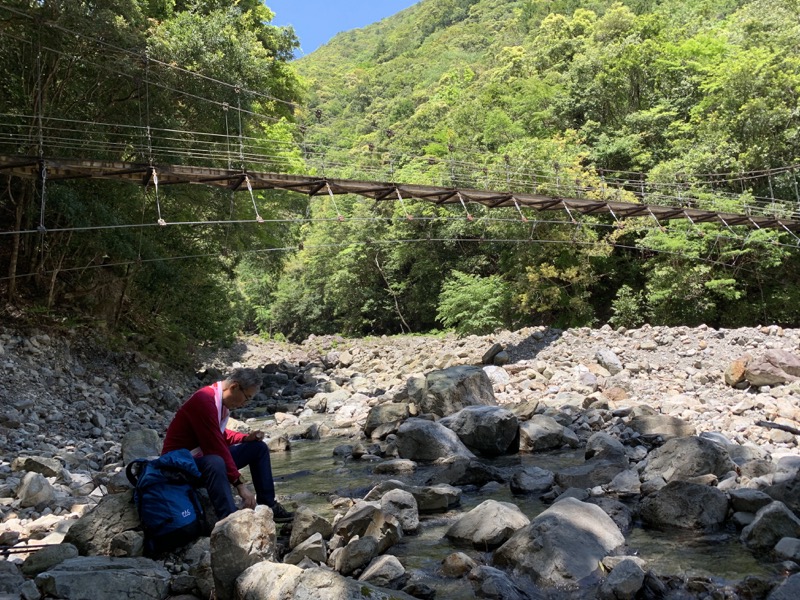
{"points": [[119, 81], [461, 92]]}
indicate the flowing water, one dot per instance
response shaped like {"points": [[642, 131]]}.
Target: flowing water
{"points": [[310, 475]]}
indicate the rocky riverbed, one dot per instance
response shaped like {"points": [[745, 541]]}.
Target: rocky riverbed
{"points": [[689, 429]]}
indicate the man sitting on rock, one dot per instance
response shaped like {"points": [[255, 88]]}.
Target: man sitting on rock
{"points": [[199, 426]]}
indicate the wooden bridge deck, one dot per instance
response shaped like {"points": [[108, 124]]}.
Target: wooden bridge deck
{"points": [[236, 180]]}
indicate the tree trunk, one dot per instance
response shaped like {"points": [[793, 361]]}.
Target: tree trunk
{"points": [[16, 240]]}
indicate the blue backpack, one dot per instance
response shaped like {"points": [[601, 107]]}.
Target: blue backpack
{"points": [[166, 500]]}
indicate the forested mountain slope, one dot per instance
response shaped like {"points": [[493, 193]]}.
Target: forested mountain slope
{"points": [[701, 96]]}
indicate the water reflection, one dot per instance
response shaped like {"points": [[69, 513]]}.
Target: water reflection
{"points": [[310, 475]]}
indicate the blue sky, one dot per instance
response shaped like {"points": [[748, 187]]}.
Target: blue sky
{"points": [[317, 21]]}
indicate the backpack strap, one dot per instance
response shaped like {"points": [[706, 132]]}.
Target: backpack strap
{"points": [[134, 470]]}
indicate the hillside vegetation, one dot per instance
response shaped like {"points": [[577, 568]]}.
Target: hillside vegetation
{"points": [[455, 92]]}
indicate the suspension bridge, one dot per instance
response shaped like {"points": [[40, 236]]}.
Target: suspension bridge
{"points": [[53, 148], [61, 169]]}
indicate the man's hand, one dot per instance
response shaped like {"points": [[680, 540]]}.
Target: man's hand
{"points": [[254, 436], [248, 497]]}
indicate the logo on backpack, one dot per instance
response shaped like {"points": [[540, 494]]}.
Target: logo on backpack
{"points": [[166, 500]]}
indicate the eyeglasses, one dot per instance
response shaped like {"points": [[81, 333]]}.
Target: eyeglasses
{"points": [[246, 397]]}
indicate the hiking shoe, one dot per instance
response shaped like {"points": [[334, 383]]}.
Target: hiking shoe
{"points": [[280, 514]]}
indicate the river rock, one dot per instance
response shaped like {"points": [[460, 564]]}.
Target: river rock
{"points": [[101, 578], [35, 490], [49, 467], [307, 523], [786, 491], [241, 539], [11, 580], [93, 533], [789, 589], [685, 505], [531, 480], [735, 372], [595, 471], [488, 525], [141, 443], [403, 506], [662, 425], [271, 581], [544, 433], [772, 523], [47, 558], [774, 367], [489, 582], [461, 471], [423, 440], [486, 430], [451, 389], [602, 445], [609, 361], [687, 457], [561, 546], [312, 548], [788, 548], [749, 500], [624, 581], [358, 553], [385, 571], [433, 498], [457, 564], [386, 413]]}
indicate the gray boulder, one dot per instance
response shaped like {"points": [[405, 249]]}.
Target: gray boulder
{"points": [[772, 523], [531, 480], [47, 558], [749, 500], [358, 553], [238, 541], [624, 581], [307, 523], [684, 458], [486, 430], [313, 548], [789, 589], [685, 505], [561, 546], [451, 389], [140, 443], [541, 432], [432, 498], [661, 425], [35, 490], [595, 471], [385, 571], [423, 440], [488, 525], [609, 361], [403, 506], [383, 414], [272, 581], [460, 471], [11, 580], [49, 467], [93, 533], [488, 582], [102, 577], [787, 491], [774, 367]]}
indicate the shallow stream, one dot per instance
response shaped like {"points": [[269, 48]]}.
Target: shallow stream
{"points": [[309, 475]]}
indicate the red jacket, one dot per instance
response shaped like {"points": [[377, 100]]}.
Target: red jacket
{"points": [[196, 424]]}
